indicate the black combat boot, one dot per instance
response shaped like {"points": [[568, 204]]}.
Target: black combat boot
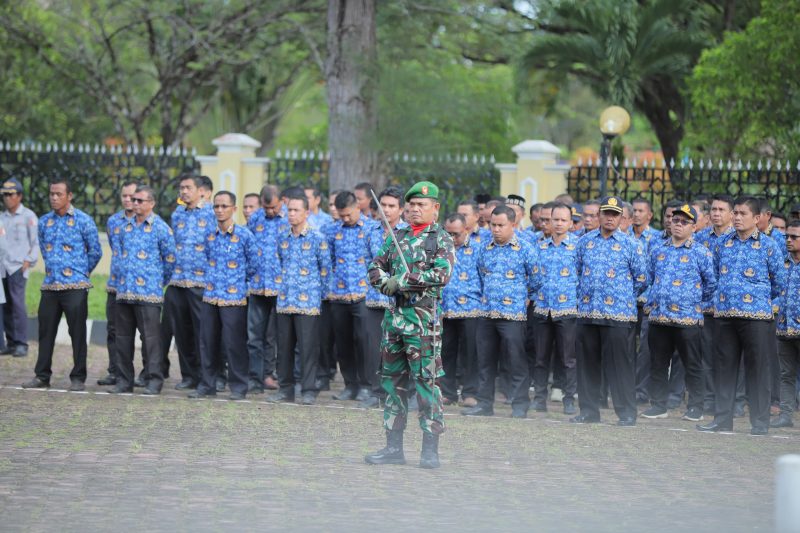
{"points": [[392, 454], [429, 458]]}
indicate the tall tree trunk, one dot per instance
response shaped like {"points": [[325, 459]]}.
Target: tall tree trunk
{"points": [[665, 109], [351, 73]]}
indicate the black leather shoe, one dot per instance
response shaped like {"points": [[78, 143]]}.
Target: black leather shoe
{"points": [[392, 454], [8, 350], [140, 383], [714, 426], [585, 419], [370, 403], [738, 411], [783, 421], [119, 388], [626, 422], [221, 384], [236, 396], [308, 398], [759, 430], [362, 395], [478, 410], [36, 383], [110, 379], [322, 384], [186, 384], [20, 351], [255, 387], [197, 394], [519, 413], [429, 458], [151, 391], [569, 408], [281, 397], [540, 406], [346, 394], [77, 385]]}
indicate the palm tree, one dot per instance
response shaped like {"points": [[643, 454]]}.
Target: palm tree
{"points": [[636, 54]]}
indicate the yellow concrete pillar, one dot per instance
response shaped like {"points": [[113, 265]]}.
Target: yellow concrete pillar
{"points": [[537, 175], [236, 168]]}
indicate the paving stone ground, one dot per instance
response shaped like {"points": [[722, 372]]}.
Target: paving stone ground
{"points": [[94, 462]]}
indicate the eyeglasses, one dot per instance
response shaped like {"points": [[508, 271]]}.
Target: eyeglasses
{"points": [[222, 206], [9, 194], [453, 234], [680, 221], [140, 200], [793, 237]]}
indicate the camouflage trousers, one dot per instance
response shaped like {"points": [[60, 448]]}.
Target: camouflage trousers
{"points": [[407, 353]]}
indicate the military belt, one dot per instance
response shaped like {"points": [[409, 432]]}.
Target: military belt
{"points": [[411, 300]]}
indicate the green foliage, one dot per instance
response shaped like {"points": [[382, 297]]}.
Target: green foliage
{"points": [[746, 92]]}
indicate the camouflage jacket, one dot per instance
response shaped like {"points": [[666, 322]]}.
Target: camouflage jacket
{"points": [[430, 272]]}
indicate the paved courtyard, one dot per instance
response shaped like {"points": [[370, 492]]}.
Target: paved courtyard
{"points": [[94, 462]]}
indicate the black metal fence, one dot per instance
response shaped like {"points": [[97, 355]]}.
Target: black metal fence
{"points": [[458, 177], [95, 173], [777, 182]]}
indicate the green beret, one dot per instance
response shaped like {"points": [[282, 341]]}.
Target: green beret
{"points": [[423, 189]]}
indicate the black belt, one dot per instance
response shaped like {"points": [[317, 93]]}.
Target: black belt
{"points": [[410, 300]]}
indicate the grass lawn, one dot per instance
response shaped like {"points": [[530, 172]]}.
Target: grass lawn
{"points": [[97, 295]]}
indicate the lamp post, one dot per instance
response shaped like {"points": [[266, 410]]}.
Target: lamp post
{"points": [[614, 121]]}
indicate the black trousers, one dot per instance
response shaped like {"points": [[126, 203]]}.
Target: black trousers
{"points": [[326, 369], [750, 339], [557, 337], [774, 367], [664, 341], [789, 356], [223, 339], [299, 332], [709, 326], [166, 341], [183, 306], [261, 348], [349, 322], [147, 319], [503, 340], [15, 314], [459, 349], [609, 348], [73, 304], [642, 347], [372, 355], [111, 340]]}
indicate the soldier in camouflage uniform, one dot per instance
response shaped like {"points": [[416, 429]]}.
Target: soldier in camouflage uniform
{"points": [[410, 347]]}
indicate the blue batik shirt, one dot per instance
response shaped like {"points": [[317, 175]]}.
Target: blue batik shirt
{"points": [[682, 278], [750, 276], [708, 238], [779, 238], [461, 297], [266, 230], [649, 239], [612, 273], [233, 258], [527, 236], [113, 230], [788, 320], [374, 298], [351, 250], [305, 263], [70, 249], [146, 260], [191, 228], [556, 291], [319, 219], [507, 278]]}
